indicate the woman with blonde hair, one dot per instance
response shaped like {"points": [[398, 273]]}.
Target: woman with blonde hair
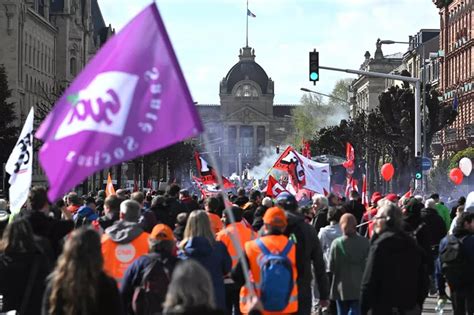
{"points": [[78, 284], [199, 244]]}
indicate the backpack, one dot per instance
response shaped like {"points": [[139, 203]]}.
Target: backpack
{"points": [[276, 276], [150, 295], [455, 265]]}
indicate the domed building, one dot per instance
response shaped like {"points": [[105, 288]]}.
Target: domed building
{"points": [[247, 120]]}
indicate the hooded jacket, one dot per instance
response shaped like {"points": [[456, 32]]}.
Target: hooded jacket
{"points": [[308, 255], [395, 275], [435, 224], [122, 244], [215, 259], [347, 261], [326, 236]]}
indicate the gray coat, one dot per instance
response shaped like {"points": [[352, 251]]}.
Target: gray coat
{"points": [[347, 263]]}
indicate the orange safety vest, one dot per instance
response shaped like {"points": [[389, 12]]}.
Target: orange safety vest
{"points": [[241, 232], [117, 257], [274, 243], [216, 223]]}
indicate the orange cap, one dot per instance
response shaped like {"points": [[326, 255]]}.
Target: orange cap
{"points": [[275, 216], [162, 232]]}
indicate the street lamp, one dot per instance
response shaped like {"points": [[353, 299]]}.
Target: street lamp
{"points": [[390, 42], [330, 96]]}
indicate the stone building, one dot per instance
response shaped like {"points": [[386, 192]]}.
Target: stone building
{"points": [[366, 90], [246, 120], [43, 45], [457, 73]]}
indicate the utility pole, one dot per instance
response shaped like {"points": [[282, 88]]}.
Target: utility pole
{"points": [[417, 85]]}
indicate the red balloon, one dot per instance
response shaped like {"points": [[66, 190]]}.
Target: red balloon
{"points": [[456, 176], [387, 171]]}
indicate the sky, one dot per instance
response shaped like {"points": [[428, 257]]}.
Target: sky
{"points": [[207, 36]]}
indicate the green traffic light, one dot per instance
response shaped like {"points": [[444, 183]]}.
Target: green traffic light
{"points": [[418, 175], [313, 76]]}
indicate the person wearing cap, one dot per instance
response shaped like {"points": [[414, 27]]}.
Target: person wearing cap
{"points": [[273, 238], [162, 250], [309, 256], [241, 233], [366, 227]]}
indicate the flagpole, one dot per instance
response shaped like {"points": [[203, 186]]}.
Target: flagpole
{"points": [[247, 29], [230, 215]]}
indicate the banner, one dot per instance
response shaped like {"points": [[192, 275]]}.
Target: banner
{"points": [[20, 165], [131, 99], [304, 172], [109, 189], [207, 175]]}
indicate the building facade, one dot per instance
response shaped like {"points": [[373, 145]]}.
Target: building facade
{"points": [[457, 73], [44, 44], [246, 121], [366, 90]]}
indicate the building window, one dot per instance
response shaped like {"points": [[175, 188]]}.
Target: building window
{"points": [[73, 66], [246, 90], [246, 140], [261, 136]]}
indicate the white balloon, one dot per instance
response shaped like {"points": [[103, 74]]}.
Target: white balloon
{"points": [[465, 165]]}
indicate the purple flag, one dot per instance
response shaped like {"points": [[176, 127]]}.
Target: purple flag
{"points": [[131, 99]]}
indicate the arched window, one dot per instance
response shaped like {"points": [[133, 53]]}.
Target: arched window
{"points": [[246, 90], [73, 66]]}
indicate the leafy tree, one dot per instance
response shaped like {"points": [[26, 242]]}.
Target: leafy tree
{"points": [[339, 95], [439, 180], [8, 128]]}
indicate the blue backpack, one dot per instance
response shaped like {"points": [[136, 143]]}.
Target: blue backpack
{"points": [[276, 276]]}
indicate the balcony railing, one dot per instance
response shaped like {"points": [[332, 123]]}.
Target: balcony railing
{"points": [[469, 130], [436, 138], [450, 135]]}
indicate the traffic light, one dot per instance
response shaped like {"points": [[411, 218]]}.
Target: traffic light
{"points": [[277, 149], [314, 66], [418, 167]]}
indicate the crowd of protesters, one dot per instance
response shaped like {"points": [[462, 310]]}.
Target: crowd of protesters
{"points": [[170, 253]]}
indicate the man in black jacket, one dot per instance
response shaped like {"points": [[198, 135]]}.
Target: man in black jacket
{"points": [[309, 255], [43, 224], [320, 209], [395, 279], [354, 206]]}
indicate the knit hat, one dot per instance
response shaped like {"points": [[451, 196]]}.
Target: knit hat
{"points": [[275, 217], [161, 232]]}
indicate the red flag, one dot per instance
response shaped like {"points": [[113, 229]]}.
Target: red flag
{"points": [[285, 160], [408, 194], [365, 197], [306, 151], [350, 152], [135, 185], [207, 175], [351, 185], [274, 188]]}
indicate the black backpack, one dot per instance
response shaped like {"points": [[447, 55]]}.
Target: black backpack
{"points": [[455, 265], [148, 298]]}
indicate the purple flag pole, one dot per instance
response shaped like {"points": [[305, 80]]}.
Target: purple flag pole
{"points": [[131, 99]]}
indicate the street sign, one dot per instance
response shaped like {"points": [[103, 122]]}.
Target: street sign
{"points": [[426, 163]]}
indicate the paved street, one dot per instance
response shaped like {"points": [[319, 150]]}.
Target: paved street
{"points": [[430, 306]]}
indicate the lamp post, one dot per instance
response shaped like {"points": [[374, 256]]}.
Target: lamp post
{"points": [[322, 94]]}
